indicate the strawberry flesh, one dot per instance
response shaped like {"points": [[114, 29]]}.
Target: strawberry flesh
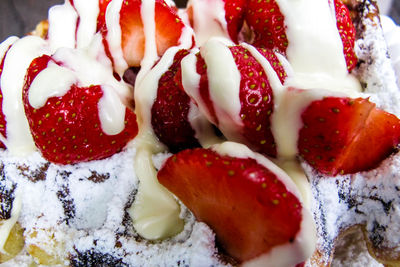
{"points": [[67, 129], [169, 113], [247, 205], [169, 28], [343, 135]]}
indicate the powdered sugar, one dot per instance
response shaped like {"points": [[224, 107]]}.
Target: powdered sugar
{"points": [[81, 210]]}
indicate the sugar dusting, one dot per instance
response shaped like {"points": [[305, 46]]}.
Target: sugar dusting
{"points": [[369, 199], [83, 209]]}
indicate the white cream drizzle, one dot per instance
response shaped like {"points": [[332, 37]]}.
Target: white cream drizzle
{"points": [[224, 85], [166, 221], [80, 69], [303, 246], [208, 20], [5, 45], [22, 52], [202, 127], [88, 12], [7, 225], [62, 26], [114, 36]]}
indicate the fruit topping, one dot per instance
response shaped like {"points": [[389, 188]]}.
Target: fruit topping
{"points": [[170, 111], [67, 128], [270, 31], [250, 206], [168, 29], [234, 16], [268, 24], [347, 33], [344, 135], [255, 97], [3, 123]]}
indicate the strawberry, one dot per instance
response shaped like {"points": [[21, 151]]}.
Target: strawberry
{"points": [[3, 123], [234, 16], [248, 206], [234, 11], [343, 135], [347, 33], [169, 29], [101, 18], [67, 129], [170, 110], [267, 23], [255, 96]]}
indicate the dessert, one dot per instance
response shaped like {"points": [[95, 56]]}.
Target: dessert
{"points": [[92, 109]]}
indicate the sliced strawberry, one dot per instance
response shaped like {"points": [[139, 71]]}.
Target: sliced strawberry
{"points": [[347, 33], [169, 29], [256, 98], [67, 129], [247, 205], [234, 16], [3, 123], [343, 135], [101, 18], [169, 113], [267, 22]]}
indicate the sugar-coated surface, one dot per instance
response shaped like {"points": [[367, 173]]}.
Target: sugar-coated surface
{"points": [[84, 206], [368, 198]]}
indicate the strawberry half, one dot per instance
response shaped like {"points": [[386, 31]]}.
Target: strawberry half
{"points": [[101, 18], [248, 205], [267, 23], [347, 33], [3, 122], [67, 129], [343, 135], [170, 110], [169, 29], [234, 16], [255, 96]]}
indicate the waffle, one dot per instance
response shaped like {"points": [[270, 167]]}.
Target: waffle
{"points": [[81, 214]]}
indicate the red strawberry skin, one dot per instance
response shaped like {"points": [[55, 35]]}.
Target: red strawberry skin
{"points": [[101, 18], [343, 135], [256, 97], [234, 16], [247, 205], [169, 113], [267, 23], [67, 129], [3, 123], [169, 28], [347, 33]]}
